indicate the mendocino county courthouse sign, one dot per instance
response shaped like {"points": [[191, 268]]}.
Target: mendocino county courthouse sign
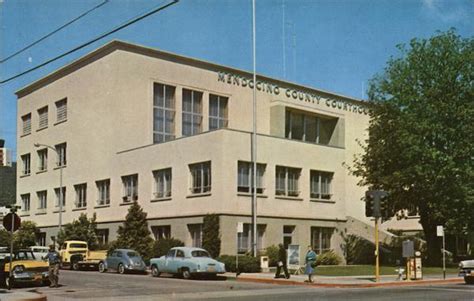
{"points": [[290, 93]]}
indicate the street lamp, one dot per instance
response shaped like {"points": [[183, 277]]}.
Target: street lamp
{"points": [[61, 196]]}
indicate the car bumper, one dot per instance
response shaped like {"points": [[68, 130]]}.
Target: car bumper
{"points": [[466, 273], [30, 277], [134, 268]]}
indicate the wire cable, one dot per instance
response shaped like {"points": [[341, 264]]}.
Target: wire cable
{"points": [[128, 23], [53, 32]]}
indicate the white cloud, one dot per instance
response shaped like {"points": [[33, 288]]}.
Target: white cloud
{"points": [[449, 11]]}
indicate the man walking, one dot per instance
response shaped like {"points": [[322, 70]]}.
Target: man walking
{"points": [[54, 261], [282, 262]]}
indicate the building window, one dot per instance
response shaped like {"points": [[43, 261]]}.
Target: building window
{"points": [[43, 159], [103, 236], [244, 239], [192, 112], [25, 202], [81, 195], [195, 230], [130, 188], [217, 112], [26, 159], [103, 192], [41, 239], [309, 128], [161, 232], [61, 110], [162, 183], [163, 113], [43, 118], [288, 235], [26, 122], [321, 239], [42, 199], [200, 177], [321, 184], [287, 181], [60, 196], [61, 149], [245, 177]]}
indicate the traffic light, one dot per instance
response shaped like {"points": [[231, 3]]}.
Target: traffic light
{"points": [[385, 208], [369, 204]]}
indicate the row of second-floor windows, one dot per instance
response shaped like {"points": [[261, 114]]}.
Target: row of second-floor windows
{"points": [[42, 159], [164, 112], [310, 128], [287, 183], [43, 117]]}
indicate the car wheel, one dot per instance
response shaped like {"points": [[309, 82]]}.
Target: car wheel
{"points": [[75, 265], [154, 271], [121, 269], [185, 273], [102, 268], [469, 280]]}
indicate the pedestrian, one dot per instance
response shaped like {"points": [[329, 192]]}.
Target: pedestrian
{"points": [[310, 262], [54, 261], [282, 262]]}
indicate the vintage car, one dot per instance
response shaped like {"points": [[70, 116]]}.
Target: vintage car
{"points": [[25, 269], [122, 261], [39, 252], [466, 270], [186, 262]]}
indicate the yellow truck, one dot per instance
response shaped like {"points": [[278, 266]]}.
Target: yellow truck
{"points": [[76, 255]]}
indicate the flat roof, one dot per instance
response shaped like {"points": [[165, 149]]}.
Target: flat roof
{"points": [[153, 52]]}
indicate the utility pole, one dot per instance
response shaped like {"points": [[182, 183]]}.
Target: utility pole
{"points": [[254, 137]]}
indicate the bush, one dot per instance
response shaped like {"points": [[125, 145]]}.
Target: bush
{"points": [[328, 258], [247, 264], [272, 253], [211, 240], [162, 246]]}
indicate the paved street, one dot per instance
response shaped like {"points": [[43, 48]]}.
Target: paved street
{"points": [[109, 286]]}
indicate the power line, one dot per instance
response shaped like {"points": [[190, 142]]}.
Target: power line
{"points": [[53, 32], [128, 23]]}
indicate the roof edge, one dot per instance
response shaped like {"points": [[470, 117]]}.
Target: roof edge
{"points": [[153, 52]]}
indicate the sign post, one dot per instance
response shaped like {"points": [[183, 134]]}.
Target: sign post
{"points": [[440, 232], [11, 222], [240, 230]]}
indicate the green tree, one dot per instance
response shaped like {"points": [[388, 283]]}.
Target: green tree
{"points": [[25, 236], [211, 239], [81, 229], [134, 233], [421, 134], [5, 237]]}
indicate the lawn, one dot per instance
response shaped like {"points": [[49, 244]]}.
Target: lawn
{"points": [[358, 270]]}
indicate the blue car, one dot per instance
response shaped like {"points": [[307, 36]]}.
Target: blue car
{"points": [[122, 261], [186, 262]]}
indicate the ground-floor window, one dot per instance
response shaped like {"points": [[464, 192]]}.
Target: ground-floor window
{"points": [[195, 230], [161, 232], [321, 239], [41, 239], [288, 235], [244, 240]]}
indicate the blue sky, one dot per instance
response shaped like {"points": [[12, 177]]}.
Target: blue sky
{"points": [[334, 45]]}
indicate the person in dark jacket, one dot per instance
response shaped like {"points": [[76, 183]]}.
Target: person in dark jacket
{"points": [[282, 262], [54, 261]]}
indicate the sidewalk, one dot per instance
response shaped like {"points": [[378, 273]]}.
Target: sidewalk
{"points": [[345, 281]]}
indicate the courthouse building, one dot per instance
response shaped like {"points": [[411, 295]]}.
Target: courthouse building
{"points": [[131, 123]]}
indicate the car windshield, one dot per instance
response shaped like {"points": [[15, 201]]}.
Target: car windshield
{"points": [[132, 254], [78, 246], [200, 253]]}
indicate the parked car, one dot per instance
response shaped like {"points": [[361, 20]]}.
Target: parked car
{"points": [[122, 261], [25, 267], [76, 255], [186, 262], [39, 252], [466, 270]]}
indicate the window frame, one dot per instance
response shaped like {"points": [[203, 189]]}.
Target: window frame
{"points": [[42, 159], [195, 231], [222, 122], [42, 196], [81, 195], [288, 180], [61, 149], [318, 194], [25, 202], [103, 190], [163, 178], [242, 178], [193, 114], [26, 162], [26, 124], [199, 173], [43, 118], [130, 188], [61, 110], [57, 194], [168, 112], [321, 231]]}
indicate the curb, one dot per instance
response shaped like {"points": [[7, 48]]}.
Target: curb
{"points": [[351, 285]]}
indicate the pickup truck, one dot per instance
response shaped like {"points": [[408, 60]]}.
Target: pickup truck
{"points": [[466, 270], [76, 255]]}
